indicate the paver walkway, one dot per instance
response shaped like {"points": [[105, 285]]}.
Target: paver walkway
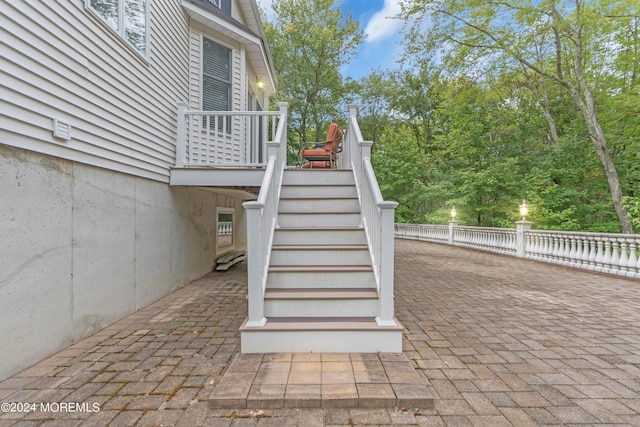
{"points": [[497, 340]]}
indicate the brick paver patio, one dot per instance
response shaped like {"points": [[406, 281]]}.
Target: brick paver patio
{"points": [[497, 341]]}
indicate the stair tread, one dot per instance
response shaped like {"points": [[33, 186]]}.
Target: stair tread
{"points": [[319, 268], [319, 247], [322, 228], [294, 324], [321, 293], [320, 212]]}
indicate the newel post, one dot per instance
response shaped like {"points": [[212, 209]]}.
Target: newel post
{"points": [[181, 141], [254, 274], [521, 239], [453, 223], [387, 266]]}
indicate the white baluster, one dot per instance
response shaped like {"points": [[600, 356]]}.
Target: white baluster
{"points": [[572, 251], [592, 254], [599, 255], [615, 256], [623, 262], [606, 259], [577, 258], [556, 248], [633, 262]]}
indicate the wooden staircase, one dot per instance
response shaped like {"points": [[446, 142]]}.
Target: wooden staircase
{"points": [[321, 293]]}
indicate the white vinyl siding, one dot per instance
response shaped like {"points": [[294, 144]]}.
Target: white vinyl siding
{"points": [[128, 18], [61, 62], [233, 149]]}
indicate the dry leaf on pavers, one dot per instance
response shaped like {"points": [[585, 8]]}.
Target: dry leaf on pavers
{"points": [[257, 413]]}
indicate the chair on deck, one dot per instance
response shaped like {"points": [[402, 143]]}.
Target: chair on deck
{"points": [[323, 154]]}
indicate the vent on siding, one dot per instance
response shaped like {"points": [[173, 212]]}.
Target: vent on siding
{"points": [[61, 130]]}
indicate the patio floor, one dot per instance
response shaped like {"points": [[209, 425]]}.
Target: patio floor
{"points": [[495, 340]]}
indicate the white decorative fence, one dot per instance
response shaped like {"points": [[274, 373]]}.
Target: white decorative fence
{"points": [[224, 138], [607, 253], [377, 214], [261, 221]]}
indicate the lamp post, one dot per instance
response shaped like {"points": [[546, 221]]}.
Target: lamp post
{"points": [[452, 223], [522, 227], [524, 210]]}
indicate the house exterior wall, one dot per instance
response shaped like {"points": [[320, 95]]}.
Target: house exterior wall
{"points": [[84, 246], [62, 61], [90, 230]]}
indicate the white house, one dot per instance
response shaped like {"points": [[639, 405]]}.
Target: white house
{"points": [[95, 99]]}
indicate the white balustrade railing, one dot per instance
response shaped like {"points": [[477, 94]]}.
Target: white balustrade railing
{"points": [[377, 215], [617, 254], [225, 228], [223, 138], [261, 221], [603, 252], [425, 232], [500, 240]]}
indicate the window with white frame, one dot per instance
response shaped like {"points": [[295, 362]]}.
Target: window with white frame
{"points": [[216, 79], [223, 5], [129, 18]]}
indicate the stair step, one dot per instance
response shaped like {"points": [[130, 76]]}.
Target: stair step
{"points": [[319, 247], [324, 324], [314, 278], [319, 268], [335, 191], [324, 219], [319, 205], [321, 293], [320, 177], [329, 302], [318, 334]]}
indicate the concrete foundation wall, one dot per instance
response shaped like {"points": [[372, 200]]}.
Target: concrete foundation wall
{"points": [[81, 247]]}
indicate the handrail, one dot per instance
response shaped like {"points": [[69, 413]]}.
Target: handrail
{"points": [[262, 221], [602, 252], [223, 138], [377, 215]]}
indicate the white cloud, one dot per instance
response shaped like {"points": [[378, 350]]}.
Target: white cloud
{"points": [[382, 24]]}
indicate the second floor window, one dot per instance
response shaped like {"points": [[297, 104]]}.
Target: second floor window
{"points": [[129, 18], [216, 79]]}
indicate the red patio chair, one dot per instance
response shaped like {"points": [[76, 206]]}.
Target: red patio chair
{"points": [[323, 154]]}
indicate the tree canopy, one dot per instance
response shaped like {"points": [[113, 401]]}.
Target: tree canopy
{"points": [[494, 102]]}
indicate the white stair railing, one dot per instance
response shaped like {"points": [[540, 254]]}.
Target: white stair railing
{"points": [[261, 221], [377, 215]]}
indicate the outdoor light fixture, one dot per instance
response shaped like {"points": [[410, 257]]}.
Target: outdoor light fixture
{"points": [[453, 212], [260, 83], [524, 209]]}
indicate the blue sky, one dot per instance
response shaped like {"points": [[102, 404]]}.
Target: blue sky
{"points": [[381, 48]]}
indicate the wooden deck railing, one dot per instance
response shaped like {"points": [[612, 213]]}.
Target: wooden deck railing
{"points": [[224, 138]]}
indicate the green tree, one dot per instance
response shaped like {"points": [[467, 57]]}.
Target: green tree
{"points": [[560, 42], [310, 40]]}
